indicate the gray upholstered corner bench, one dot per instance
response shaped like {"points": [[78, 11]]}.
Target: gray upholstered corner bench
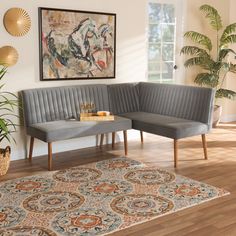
{"points": [[173, 111]]}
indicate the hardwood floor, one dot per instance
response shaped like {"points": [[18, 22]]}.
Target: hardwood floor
{"points": [[216, 217]]}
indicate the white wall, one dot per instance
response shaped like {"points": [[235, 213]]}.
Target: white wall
{"points": [[130, 54], [230, 105]]}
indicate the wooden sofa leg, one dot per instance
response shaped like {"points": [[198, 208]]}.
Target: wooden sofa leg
{"points": [[101, 140], [125, 142], [175, 153], [49, 156], [141, 136], [204, 144], [113, 140], [31, 148]]}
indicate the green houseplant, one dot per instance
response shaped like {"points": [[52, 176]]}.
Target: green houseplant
{"points": [[214, 60], [8, 103]]}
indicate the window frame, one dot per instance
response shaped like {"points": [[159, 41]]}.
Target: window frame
{"points": [[178, 41]]}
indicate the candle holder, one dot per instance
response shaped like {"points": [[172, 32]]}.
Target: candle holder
{"points": [[87, 107]]}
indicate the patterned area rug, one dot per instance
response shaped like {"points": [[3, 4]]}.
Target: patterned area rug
{"points": [[95, 199]]}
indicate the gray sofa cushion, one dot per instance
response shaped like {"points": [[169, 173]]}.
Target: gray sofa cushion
{"points": [[167, 126], [65, 129], [59, 103], [187, 102], [123, 97]]}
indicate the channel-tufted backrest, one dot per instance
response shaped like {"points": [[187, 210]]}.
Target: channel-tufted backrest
{"points": [[59, 103], [180, 101], [123, 97]]}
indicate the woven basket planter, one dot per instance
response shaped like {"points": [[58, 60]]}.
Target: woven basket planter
{"points": [[4, 160]]}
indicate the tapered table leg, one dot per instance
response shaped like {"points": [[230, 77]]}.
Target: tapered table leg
{"points": [[175, 153], [49, 156], [204, 144], [113, 139], [31, 148], [125, 142], [101, 140], [141, 136]]}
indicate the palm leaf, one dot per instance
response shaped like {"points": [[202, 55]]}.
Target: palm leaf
{"points": [[199, 38], [5, 136], [212, 14], [11, 125], [206, 79], [194, 61], [229, 39], [230, 29], [9, 114], [6, 114], [9, 93], [225, 93], [205, 63], [3, 71], [225, 66], [232, 68], [194, 51], [3, 125], [224, 52], [216, 67], [8, 101], [228, 67], [2, 95]]}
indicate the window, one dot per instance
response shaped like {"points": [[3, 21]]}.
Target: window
{"points": [[161, 40]]}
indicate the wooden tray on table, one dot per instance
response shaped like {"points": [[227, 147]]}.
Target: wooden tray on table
{"points": [[95, 117]]}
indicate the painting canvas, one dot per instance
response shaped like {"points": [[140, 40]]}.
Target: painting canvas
{"points": [[76, 44]]}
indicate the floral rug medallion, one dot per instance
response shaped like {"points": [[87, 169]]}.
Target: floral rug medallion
{"points": [[96, 199]]}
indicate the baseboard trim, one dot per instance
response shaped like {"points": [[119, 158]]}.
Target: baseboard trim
{"points": [[228, 118]]}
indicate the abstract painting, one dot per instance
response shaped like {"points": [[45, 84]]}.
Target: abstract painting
{"points": [[76, 44]]}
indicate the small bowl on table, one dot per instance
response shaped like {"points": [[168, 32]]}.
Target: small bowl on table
{"points": [[103, 113]]}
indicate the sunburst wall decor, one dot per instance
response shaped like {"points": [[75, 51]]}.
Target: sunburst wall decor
{"points": [[17, 21], [8, 56]]}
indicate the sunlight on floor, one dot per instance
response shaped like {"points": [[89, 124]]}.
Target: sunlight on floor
{"points": [[226, 125]]}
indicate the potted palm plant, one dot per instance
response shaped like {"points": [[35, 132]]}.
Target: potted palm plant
{"points": [[215, 64], [8, 102]]}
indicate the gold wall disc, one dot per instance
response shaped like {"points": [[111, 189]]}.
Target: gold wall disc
{"points": [[17, 21], [8, 56]]}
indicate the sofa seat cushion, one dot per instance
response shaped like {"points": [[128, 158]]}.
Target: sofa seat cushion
{"points": [[167, 126], [66, 129]]}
